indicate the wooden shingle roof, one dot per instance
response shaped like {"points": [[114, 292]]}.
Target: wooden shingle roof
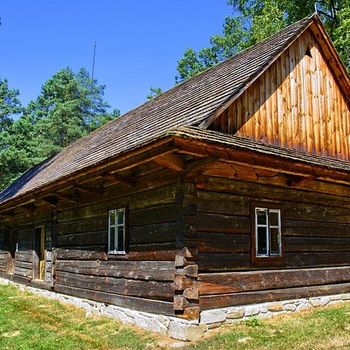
{"points": [[238, 142], [187, 104]]}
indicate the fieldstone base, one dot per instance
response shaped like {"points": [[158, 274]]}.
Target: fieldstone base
{"points": [[178, 328], [216, 317], [170, 326]]}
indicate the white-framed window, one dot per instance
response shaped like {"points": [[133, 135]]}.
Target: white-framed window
{"points": [[116, 231], [268, 240]]}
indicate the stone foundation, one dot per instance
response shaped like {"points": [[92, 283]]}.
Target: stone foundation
{"points": [[216, 317], [181, 329], [173, 327]]}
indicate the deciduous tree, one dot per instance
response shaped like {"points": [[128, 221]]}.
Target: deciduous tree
{"points": [[255, 20]]}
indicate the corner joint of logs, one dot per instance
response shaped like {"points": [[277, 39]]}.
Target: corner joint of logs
{"points": [[186, 297]]}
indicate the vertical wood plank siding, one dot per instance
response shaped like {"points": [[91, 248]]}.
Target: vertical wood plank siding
{"points": [[296, 103]]}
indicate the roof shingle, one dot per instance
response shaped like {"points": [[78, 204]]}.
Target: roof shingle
{"points": [[187, 104]]}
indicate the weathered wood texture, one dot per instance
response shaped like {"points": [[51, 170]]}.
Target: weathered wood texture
{"points": [[315, 227], [82, 265], [233, 288], [4, 254], [217, 301], [24, 264], [151, 221], [17, 246], [189, 240], [147, 305], [316, 237], [236, 282], [5, 261], [296, 103]]}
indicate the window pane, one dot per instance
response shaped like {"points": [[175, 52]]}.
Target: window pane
{"points": [[120, 217], [121, 247], [274, 218], [262, 241], [112, 238], [261, 217], [275, 241], [112, 218]]}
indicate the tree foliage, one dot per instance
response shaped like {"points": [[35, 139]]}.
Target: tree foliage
{"points": [[154, 92], [9, 105], [69, 106], [19, 150], [255, 20]]}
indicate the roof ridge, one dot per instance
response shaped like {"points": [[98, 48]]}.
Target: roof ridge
{"points": [[200, 74], [186, 104], [308, 20]]}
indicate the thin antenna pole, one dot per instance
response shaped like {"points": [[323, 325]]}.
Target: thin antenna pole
{"points": [[92, 81], [93, 62]]}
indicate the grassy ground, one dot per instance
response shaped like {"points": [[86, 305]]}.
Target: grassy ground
{"points": [[317, 329], [31, 322]]}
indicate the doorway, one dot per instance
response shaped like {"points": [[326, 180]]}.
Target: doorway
{"points": [[39, 248], [12, 246]]}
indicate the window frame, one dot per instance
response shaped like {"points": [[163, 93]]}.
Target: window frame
{"points": [[116, 225], [266, 259]]}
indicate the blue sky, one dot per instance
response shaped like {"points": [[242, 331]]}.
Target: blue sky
{"points": [[138, 42]]}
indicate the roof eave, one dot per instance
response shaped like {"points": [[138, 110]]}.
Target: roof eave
{"points": [[152, 149], [261, 157]]}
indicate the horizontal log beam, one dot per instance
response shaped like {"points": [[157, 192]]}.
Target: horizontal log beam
{"points": [[235, 282], [260, 160], [198, 167], [51, 201], [123, 162], [95, 192], [66, 197], [244, 298], [112, 178], [172, 161], [295, 181], [141, 304]]}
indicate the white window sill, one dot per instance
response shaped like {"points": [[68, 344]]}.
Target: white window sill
{"points": [[117, 253]]}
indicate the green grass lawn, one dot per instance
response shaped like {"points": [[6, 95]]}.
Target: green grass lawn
{"points": [[30, 322], [322, 328]]}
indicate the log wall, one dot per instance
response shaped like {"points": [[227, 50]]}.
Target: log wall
{"points": [[316, 237], [189, 240], [144, 277], [4, 254], [25, 259], [296, 103], [19, 239]]}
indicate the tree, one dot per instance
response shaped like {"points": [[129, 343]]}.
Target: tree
{"points": [[19, 150], [255, 20], [154, 92], [223, 46], [9, 105], [70, 106], [342, 35]]}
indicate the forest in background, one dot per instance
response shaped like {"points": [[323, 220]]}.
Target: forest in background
{"points": [[72, 104]]}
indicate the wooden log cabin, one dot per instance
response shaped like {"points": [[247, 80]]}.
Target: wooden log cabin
{"points": [[232, 188]]}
